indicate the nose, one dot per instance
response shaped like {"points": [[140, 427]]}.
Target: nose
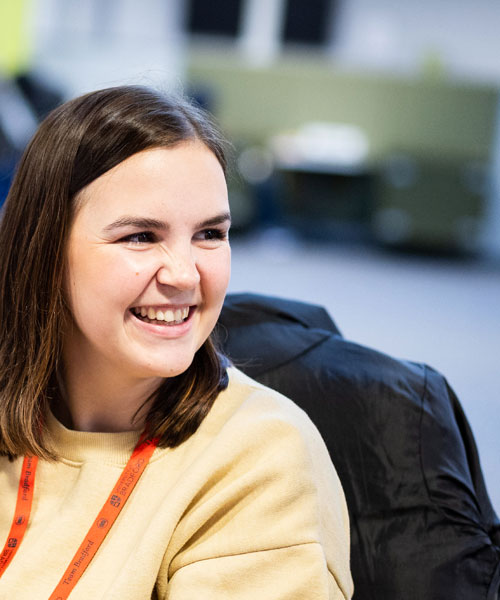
{"points": [[179, 270]]}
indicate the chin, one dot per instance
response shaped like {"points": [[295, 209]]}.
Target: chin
{"points": [[171, 368]]}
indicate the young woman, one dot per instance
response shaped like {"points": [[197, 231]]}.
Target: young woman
{"points": [[136, 463]]}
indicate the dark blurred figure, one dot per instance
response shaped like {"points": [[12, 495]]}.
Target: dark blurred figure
{"points": [[24, 100]]}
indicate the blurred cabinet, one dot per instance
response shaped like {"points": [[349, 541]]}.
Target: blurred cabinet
{"points": [[322, 202], [429, 204], [404, 201]]}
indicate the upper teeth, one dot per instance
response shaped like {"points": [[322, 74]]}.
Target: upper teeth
{"points": [[168, 315]]}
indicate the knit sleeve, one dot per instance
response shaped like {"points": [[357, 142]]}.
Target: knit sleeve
{"points": [[269, 522], [295, 573]]}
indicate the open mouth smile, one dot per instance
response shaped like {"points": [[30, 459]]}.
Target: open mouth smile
{"points": [[162, 316]]}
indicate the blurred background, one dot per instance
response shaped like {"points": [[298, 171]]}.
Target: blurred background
{"points": [[366, 150]]}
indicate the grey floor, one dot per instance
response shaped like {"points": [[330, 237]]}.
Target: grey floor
{"points": [[443, 312]]}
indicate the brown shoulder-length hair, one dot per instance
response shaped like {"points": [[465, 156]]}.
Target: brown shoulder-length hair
{"points": [[75, 144]]}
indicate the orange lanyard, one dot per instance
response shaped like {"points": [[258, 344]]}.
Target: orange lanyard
{"points": [[99, 528], [22, 512]]}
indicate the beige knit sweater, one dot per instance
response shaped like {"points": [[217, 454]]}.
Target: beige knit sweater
{"points": [[249, 508]]}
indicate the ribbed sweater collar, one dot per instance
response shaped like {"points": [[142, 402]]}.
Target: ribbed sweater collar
{"points": [[83, 446]]}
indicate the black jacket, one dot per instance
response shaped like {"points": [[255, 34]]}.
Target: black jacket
{"points": [[422, 525]]}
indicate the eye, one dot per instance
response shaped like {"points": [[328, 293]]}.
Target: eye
{"points": [[142, 237], [214, 234]]}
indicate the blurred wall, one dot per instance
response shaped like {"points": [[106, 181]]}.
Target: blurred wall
{"points": [[87, 44], [459, 37], [435, 117], [15, 39]]}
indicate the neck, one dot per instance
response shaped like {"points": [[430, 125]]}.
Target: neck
{"points": [[95, 401]]}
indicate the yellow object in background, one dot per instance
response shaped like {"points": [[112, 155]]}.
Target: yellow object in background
{"points": [[15, 39]]}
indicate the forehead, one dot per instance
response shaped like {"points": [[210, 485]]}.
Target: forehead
{"points": [[186, 177]]}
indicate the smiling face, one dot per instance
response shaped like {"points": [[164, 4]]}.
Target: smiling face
{"points": [[148, 264]]}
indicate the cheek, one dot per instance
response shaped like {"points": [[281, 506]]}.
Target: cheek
{"points": [[216, 271], [97, 280]]}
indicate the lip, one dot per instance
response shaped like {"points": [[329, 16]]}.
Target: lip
{"points": [[166, 331]]}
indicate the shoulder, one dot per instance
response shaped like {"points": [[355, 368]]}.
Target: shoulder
{"points": [[253, 398], [263, 434], [264, 482], [252, 410]]}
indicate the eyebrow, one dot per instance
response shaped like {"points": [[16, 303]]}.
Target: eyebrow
{"points": [[217, 220], [137, 222], [145, 223]]}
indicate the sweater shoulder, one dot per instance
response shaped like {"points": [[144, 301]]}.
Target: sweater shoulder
{"points": [[250, 422], [247, 403]]}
